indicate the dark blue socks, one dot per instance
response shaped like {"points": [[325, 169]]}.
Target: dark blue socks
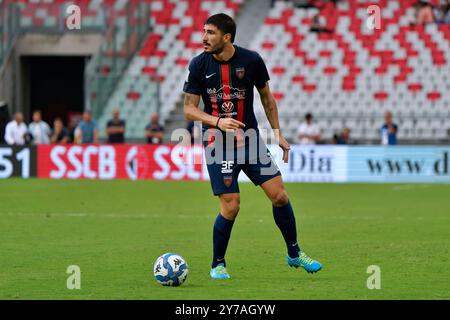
{"points": [[221, 235], [285, 220]]}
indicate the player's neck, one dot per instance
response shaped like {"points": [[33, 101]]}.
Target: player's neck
{"points": [[226, 54]]}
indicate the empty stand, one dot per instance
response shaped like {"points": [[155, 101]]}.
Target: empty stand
{"points": [[352, 76], [346, 78], [164, 58]]}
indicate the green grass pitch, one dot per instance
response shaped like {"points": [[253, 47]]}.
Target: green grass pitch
{"points": [[114, 231]]}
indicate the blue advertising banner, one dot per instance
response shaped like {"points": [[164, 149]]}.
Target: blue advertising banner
{"points": [[378, 164], [398, 164]]}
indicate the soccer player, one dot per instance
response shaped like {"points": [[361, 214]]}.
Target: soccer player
{"points": [[224, 76]]}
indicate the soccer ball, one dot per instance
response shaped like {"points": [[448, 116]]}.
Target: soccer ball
{"points": [[170, 269]]}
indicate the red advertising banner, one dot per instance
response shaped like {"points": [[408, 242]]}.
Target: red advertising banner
{"points": [[154, 162]]}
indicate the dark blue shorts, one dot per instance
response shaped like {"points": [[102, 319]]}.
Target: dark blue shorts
{"points": [[223, 173]]}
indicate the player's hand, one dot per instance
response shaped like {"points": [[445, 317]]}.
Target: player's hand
{"points": [[230, 124], [286, 147]]}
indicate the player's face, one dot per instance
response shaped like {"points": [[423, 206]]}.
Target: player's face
{"points": [[213, 39]]}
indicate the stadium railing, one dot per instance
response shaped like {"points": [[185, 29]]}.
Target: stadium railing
{"points": [[9, 28], [123, 38]]}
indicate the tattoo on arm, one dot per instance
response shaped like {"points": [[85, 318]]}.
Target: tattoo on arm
{"points": [[191, 99]]}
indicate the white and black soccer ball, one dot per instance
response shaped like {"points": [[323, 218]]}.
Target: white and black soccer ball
{"points": [[170, 269]]}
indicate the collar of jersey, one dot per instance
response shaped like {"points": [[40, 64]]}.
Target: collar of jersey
{"points": [[229, 60]]}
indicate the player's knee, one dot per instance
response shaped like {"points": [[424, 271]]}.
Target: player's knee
{"points": [[233, 208], [230, 208], [280, 198]]}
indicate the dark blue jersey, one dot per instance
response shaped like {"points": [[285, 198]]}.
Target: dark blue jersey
{"points": [[227, 87]]}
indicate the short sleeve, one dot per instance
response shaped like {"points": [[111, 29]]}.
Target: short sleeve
{"points": [[261, 75], [192, 84]]}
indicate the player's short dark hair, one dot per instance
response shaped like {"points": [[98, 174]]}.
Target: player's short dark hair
{"points": [[224, 23], [308, 116]]}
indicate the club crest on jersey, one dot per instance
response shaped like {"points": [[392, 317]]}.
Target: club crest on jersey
{"points": [[227, 180], [240, 73], [227, 106]]}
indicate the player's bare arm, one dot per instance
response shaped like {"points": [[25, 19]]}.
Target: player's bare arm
{"points": [[270, 108], [193, 113]]}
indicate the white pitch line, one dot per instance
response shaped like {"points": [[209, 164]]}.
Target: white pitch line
{"points": [[409, 187]]}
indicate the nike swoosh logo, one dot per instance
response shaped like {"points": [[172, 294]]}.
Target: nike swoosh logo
{"points": [[210, 75]]}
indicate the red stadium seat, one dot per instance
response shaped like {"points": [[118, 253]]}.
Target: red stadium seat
{"points": [[278, 95], [268, 45], [415, 87], [434, 95], [298, 79], [278, 70], [182, 62], [133, 95], [310, 87], [329, 70], [381, 95]]}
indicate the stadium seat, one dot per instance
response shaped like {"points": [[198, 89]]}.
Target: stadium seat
{"points": [[351, 72], [401, 67], [164, 58]]}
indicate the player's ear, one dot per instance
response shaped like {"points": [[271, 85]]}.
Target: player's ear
{"points": [[227, 37]]}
